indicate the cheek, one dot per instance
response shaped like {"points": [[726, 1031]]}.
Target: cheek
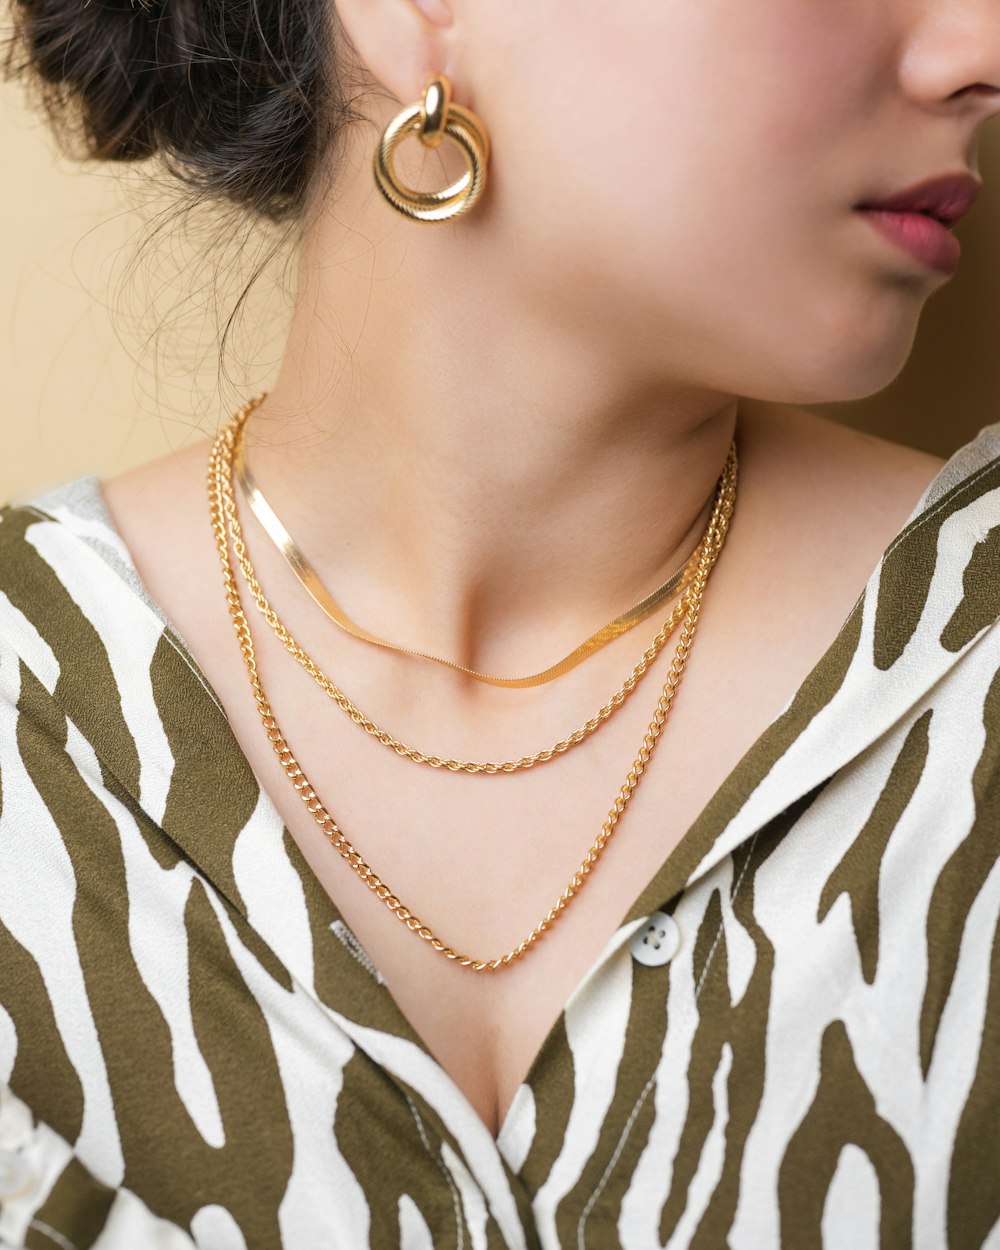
{"points": [[701, 159], [659, 105]]}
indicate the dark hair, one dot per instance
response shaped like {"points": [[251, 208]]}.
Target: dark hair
{"points": [[240, 98]]}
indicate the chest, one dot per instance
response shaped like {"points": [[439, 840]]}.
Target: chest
{"points": [[483, 861]]}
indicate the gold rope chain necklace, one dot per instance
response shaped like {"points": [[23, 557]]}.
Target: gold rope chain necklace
{"points": [[308, 578], [220, 466], [341, 843]]}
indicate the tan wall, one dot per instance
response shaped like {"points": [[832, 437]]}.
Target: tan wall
{"points": [[87, 388], [81, 397]]}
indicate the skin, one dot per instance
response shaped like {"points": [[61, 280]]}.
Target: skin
{"points": [[492, 435]]}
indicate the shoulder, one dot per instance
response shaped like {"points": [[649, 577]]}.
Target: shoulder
{"points": [[900, 546], [76, 628], [850, 491], [34, 600], [831, 463], [37, 603], [63, 560], [39, 537]]}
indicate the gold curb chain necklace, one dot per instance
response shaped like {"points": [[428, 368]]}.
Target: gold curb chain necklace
{"points": [[225, 527]]}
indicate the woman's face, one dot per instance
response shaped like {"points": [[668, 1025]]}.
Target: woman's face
{"points": [[682, 174]]}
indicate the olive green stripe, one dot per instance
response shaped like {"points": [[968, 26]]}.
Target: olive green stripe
{"points": [[974, 1180], [86, 688], [77, 1207], [635, 1079], [249, 1090], [980, 603], [961, 880], [136, 1045], [379, 1138], [908, 566], [743, 1026], [553, 1084], [843, 1112], [706, 1054], [858, 872], [393, 1145], [213, 791], [43, 1076], [601, 1225]]}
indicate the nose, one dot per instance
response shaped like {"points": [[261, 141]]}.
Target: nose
{"points": [[952, 58]]}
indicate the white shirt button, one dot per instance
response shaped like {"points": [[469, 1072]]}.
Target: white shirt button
{"points": [[657, 942], [14, 1174]]}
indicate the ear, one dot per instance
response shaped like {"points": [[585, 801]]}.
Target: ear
{"points": [[400, 42]]}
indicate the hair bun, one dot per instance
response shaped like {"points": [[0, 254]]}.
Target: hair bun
{"points": [[235, 95]]}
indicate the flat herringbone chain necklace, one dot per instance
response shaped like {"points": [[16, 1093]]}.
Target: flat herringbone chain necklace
{"points": [[297, 561], [339, 841], [220, 475]]}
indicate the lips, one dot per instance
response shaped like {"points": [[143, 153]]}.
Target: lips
{"points": [[946, 198]]}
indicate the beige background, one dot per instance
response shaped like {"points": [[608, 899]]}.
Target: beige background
{"points": [[90, 389]]}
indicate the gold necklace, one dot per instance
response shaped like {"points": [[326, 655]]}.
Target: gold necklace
{"points": [[339, 841], [297, 561], [220, 471]]}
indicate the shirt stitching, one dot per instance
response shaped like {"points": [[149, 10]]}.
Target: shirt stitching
{"points": [[722, 923], [455, 1198], [934, 508], [353, 944], [639, 1102], [204, 684], [53, 1235]]}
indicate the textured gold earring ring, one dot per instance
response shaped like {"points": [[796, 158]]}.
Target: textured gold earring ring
{"points": [[434, 119]]}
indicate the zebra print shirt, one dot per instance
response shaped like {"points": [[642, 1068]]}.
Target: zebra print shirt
{"points": [[792, 1038]]}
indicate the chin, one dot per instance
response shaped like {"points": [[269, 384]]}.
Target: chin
{"points": [[855, 359], [828, 380]]}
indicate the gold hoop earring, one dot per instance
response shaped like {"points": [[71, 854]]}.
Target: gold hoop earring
{"points": [[434, 119]]}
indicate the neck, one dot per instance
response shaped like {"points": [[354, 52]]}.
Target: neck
{"points": [[472, 478]]}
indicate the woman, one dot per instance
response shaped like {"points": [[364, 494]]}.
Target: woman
{"points": [[765, 1011]]}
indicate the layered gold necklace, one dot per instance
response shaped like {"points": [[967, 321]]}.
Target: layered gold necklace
{"points": [[694, 577]]}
